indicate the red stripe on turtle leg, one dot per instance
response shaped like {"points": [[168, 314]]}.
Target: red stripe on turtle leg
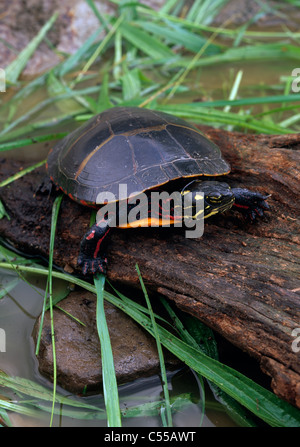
{"points": [[91, 235], [241, 206], [99, 244]]}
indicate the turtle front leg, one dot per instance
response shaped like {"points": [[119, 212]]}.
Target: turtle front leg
{"points": [[250, 203], [92, 255]]}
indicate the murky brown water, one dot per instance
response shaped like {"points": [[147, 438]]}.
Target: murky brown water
{"points": [[18, 312]]}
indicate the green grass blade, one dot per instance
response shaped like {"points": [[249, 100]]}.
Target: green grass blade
{"points": [[145, 42], [206, 115], [55, 211], [56, 88], [3, 212], [18, 408], [103, 101], [234, 89], [35, 390], [229, 32], [77, 57], [168, 6], [168, 421], [204, 11], [99, 16], [290, 121], [16, 67], [100, 48], [203, 339], [131, 85], [39, 107], [8, 287], [110, 388], [252, 101], [178, 36], [28, 141], [261, 52], [257, 399], [188, 338], [4, 418], [21, 173], [38, 126], [39, 396]]}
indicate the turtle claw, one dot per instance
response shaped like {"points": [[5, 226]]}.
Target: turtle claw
{"points": [[251, 204], [88, 265]]}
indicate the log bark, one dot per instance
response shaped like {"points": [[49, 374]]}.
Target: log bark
{"points": [[240, 279]]}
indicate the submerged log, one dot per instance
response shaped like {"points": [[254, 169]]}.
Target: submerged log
{"points": [[241, 279]]}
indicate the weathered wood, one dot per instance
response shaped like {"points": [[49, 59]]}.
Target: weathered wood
{"points": [[241, 279]]}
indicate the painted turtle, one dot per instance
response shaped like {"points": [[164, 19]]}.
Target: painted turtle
{"points": [[143, 150]]}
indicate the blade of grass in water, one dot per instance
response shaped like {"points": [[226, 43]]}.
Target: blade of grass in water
{"points": [[196, 334], [234, 89], [103, 101], [8, 287], [230, 32], [160, 353], [3, 212], [77, 57], [244, 101], [99, 16], [39, 396], [43, 104], [261, 402], [233, 93], [204, 11], [192, 64], [145, 42], [110, 388], [262, 52], [206, 115], [55, 211], [99, 49]]}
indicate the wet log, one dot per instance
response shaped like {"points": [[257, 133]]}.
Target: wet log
{"points": [[241, 279]]}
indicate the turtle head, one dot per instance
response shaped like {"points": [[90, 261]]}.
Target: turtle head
{"points": [[217, 197]]}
